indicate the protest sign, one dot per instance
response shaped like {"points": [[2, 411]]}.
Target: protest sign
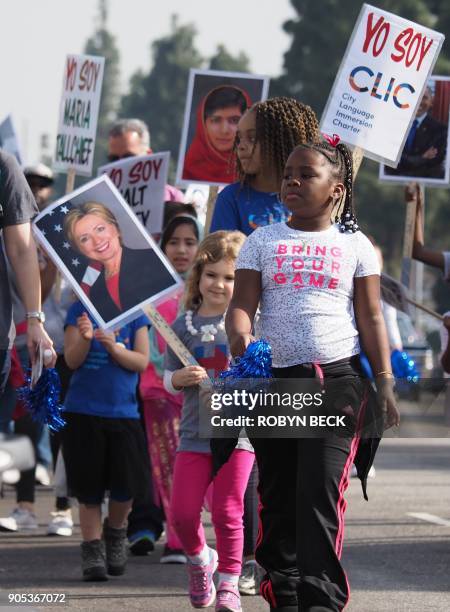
{"points": [[424, 157], [78, 114], [141, 181], [8, 138], [198, 195], [97, 243], [380, 83], [215, 102]]}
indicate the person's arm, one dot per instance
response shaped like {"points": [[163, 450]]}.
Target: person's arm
{"points": [[167, 383], [136, 359], [176, 377], [420, 251], [445, 357], [189, 376], [374, 341], [48, 275], [435, 152], [77, 341], [22, 254], [242, 310], [392, 328]]}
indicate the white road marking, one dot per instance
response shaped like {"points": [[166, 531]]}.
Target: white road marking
{"points": [[430, 518]]}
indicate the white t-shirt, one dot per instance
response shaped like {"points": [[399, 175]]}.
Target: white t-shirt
{"points": [[307, 290]]}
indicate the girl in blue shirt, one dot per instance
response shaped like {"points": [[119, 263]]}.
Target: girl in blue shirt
{"points": [[265, 137], [103, 442]]}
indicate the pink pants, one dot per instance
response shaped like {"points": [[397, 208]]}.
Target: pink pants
{"points": [[192, 476]]}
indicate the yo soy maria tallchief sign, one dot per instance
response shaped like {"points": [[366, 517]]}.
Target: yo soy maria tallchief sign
{"points": [[380, 83], [78, 113], [141, 181]]}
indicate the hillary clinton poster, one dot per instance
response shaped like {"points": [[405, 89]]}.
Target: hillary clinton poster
{"points": [[215, 102], [98, 244]]}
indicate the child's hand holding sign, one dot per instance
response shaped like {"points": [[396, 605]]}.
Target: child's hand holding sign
{"points": [[85, 327]]}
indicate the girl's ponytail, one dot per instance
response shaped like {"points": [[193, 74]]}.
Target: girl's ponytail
{"points": [[347, 220]]}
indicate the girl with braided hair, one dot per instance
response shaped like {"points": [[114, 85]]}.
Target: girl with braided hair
{"points": [[318, 285], [266, 135]]}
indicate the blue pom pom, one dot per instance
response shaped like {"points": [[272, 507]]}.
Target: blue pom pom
{"points": [[256, 362], [42, 401], [365, 365], [403, 366]]}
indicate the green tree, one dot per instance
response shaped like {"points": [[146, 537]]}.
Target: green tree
{"points": [[320, 34], [441, 9], [158, 97], [223, 60], [104, 44]]}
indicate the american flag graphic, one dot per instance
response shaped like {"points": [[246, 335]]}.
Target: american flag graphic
{"points": [[51, 225]]}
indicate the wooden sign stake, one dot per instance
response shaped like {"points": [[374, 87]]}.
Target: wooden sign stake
{"points": [[211, 204]]}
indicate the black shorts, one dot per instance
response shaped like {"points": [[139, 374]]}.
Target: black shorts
{"points": [[105, 454]]}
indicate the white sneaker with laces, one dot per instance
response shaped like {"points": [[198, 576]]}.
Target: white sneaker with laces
{"points": [[61, 523], [19, 520]]}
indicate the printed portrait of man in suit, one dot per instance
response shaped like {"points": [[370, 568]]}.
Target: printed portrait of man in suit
{"points": [[425, 150]]}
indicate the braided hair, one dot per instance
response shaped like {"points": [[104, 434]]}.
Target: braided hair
{"points": [[281, 124], [341, 160]]}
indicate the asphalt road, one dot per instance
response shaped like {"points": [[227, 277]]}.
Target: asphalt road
{"points": [[397, 547]]}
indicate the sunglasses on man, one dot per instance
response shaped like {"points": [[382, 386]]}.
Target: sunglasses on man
{"points": [[114, 158]]}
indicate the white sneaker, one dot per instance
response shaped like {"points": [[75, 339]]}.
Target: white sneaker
{"points": [[19, 520], [61, 523], [42, 476], [11, 476], [250, 578]]}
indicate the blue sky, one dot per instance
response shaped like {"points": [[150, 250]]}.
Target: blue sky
{"points": [[36, 36]]}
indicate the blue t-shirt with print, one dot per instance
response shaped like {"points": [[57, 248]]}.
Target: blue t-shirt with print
{"points": [[240, 207], [100, 386]]}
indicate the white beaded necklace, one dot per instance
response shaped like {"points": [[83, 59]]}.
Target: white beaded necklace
{"points": [[209, 331]]}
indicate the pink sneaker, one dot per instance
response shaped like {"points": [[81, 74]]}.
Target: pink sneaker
{"points": [[228, 598], [202, 591]]}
